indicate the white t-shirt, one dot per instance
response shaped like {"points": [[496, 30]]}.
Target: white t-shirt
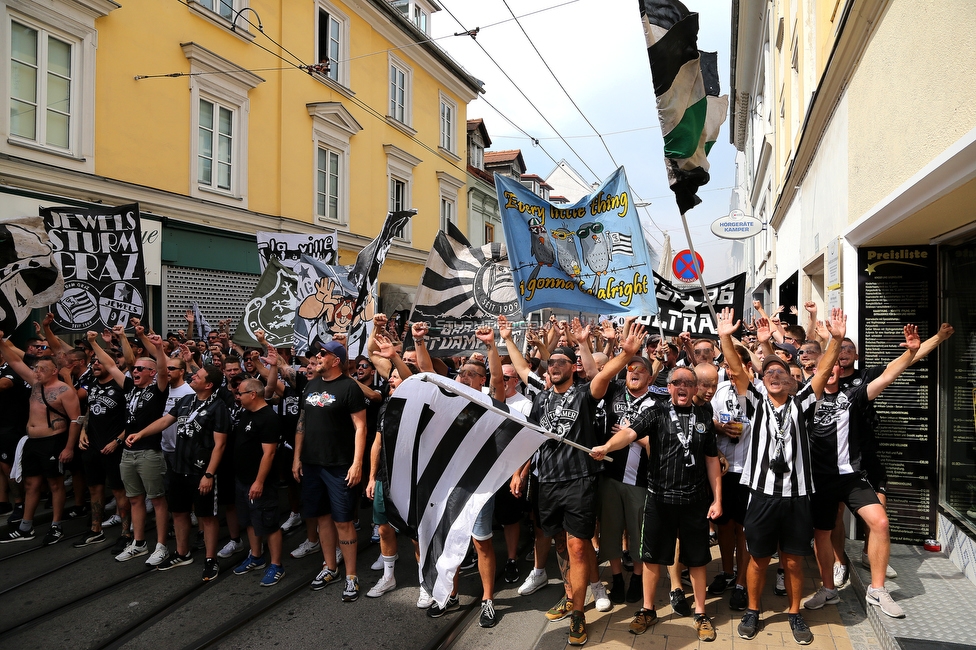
{"points": [[169, 433], [520, 402]]}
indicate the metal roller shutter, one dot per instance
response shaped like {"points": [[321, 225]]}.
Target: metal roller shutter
{"points": [[220, 294]]}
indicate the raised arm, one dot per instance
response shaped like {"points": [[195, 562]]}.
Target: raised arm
{"points": [[929, 344], [581, 334], [155, 343], [811, 308], [127, 354], [837, 326], [104, 358], [487, 336], [387, 352], [519, 362], [14, 357], [894, 369], [726, 328], [419, 333], [630, 346], [54, 342], [764, 336], [382, 365]]}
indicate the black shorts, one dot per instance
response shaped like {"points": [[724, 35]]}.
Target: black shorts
{"points": [[9, 439], [735, 496], [226, 486], [877, 475], [183, 495], [570, 506], [40, 457], [666, 523], [854, 490], [260, 514], [508, 508], [778, 522], [103, 469]]}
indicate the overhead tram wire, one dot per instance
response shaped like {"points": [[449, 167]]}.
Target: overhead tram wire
{"points": [[521, 92]]}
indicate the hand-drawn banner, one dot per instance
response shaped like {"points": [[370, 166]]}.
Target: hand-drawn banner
{"points": [[99, 251], [29, 277], [270, 309], [288, 248], [589, 256], [685, 310], [327, 306]]}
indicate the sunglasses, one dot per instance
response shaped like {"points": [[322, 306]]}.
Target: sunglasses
{"points": [[511, 378], [637, 367], [241, 394], [362, 366], [172, 368], [686, 383], [142, 368], [560, 362]]}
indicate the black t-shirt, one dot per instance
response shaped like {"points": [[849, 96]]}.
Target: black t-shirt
{"points": [[630, 463], [572, 414], [289, 406], [14, 401], [107, 412], [677, 472], [381, 474], [196, 422], [837, 431], [330, 435], [252, 431], [145, 406]]}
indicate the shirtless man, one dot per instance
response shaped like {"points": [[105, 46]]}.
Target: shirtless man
{"points": [[52, 430]]}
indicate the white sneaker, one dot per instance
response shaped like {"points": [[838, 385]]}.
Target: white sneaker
{"points": [[840, 575], [294, 520], [305, 548], [378, 564], [425, 600], [159, 555], [111, 505], [881, 598], [114, 520], [533, 583], [132, 551], [600, 597], [382, 587], [230, 548], [866, 563], [780, 588]]}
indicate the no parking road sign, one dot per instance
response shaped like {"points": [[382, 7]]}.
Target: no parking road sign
{"points": [[684, 267]]}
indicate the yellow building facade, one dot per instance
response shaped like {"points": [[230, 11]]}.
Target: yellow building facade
{"points": [[227, 117]]}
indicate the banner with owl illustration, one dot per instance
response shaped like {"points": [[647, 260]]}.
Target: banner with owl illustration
{"points": [[589, 256]]}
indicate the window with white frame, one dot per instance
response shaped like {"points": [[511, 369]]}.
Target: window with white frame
{"points": [[449, 187], [218, 145], [225, 8], [327, 184], [489, 233], [476, 155], [400, 165], [332, 128], [398, 92], [448, 124], [420, 18], [447, 213], [332, 42], [47, 81]]}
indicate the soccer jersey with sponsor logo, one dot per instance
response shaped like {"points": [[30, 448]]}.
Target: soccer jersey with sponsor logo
{"points": [[629, 464], [196, 423], [779, 433], [107, 412], [573, 415], [839, 421], [145, 406]]}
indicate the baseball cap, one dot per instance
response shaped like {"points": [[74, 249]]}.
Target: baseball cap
{"points": [[335, 348]]}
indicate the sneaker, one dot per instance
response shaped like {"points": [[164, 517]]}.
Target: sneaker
{"points": [[511, 571], [436, 611], [530, 556], [889, 572], [560, 610], [425, 600], [351, 592], [679, 604], [325, 577], [305, 548], [780, 588], [470, 559], [114, 520], [627, 561], [739, 600], [749, 625], [131, 551], [174, 561], [375, 537], [801, 631], [273, 575], [231, 548], [210, 569], [378, 564], [533, 583], [643, 619], [158, 556], [90, 538], [577, 629], [706, 631], [384, 585], [112, 506], [294, 521], [17, 535], [249, 564], [840, 575], [882, 599], [120, 544], [487, 614], [16, 515], [339, 558], [53, 536], [77, 512], [686, 577], [600, 598], [721, 582], [823, 597], [617, 589], [635, 592]]}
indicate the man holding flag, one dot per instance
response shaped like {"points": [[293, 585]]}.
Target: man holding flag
{"points": [[568, 476]]}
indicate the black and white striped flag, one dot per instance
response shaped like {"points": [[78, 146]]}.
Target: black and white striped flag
{"points": [[447, 452]]}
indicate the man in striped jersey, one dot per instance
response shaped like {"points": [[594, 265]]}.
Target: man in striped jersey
{"points": [[778, 469]]}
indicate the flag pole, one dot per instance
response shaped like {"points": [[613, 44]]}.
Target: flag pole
{"points": [[434, 379], [698, 271]]}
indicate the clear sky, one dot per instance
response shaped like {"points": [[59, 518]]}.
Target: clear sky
{"points": [[597, 51]]}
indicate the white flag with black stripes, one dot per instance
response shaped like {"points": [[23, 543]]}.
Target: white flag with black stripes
{"points": [[447, 452]]}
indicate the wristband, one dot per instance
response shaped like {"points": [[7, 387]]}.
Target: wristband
{"points": [[208, 475], [119, 441]]}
